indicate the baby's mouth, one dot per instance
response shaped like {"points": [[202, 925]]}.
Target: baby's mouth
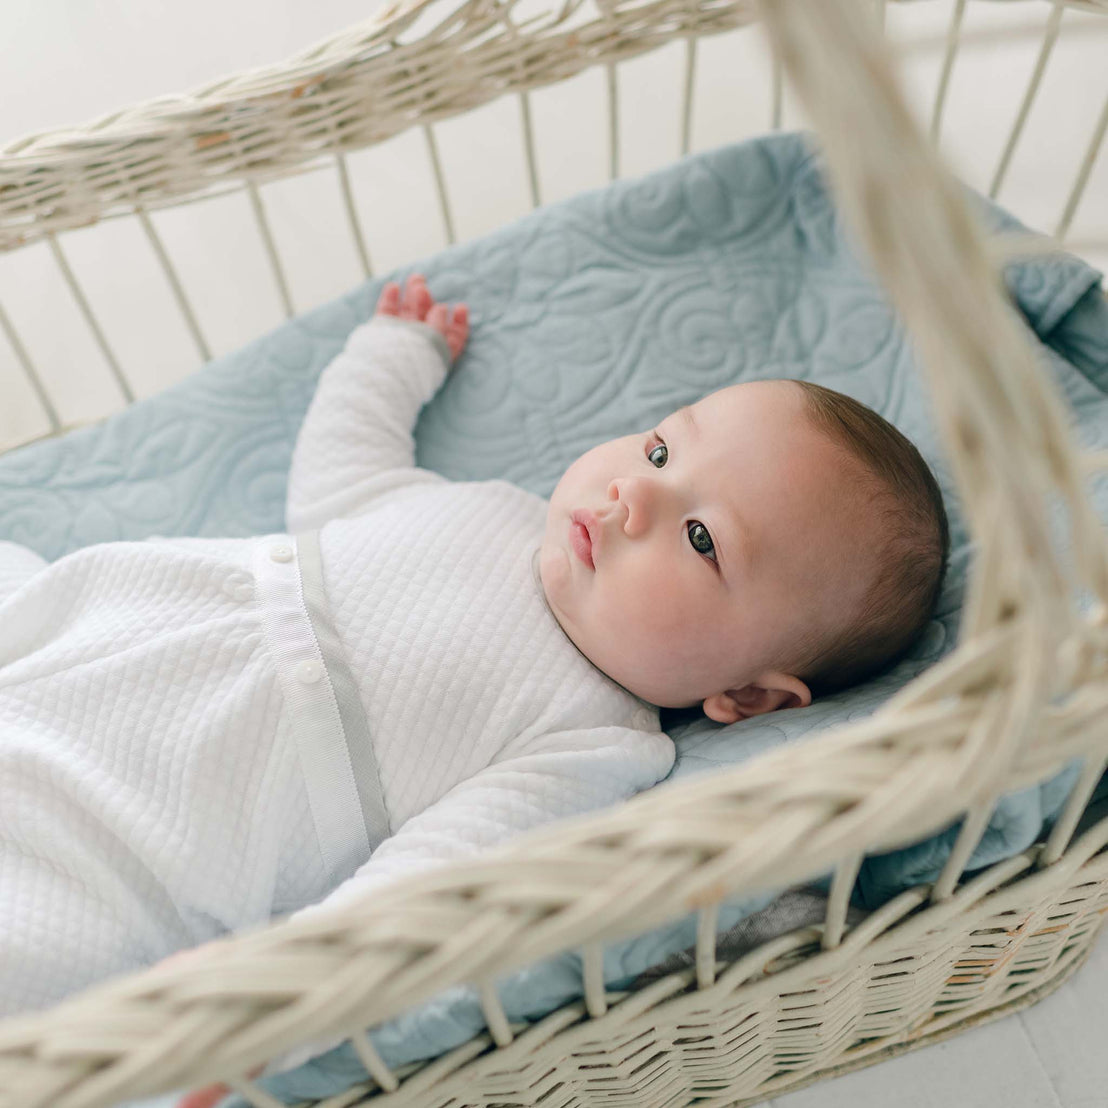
{"points": [[582, 533]]}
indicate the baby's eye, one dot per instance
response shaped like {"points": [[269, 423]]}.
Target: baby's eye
{"points": [[659, 455], [701, 540]]}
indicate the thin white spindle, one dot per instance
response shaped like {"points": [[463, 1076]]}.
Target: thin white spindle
{"points": [[24, 360], [352, 215], [1083, 173], [524, 115], [592, 962], [90, 319], [529, 147], [162, 255], [440, 182], [973, 827], [778, 93], [495, 1016], [687, 106], [952, 40], [706, 924], [842, 884], [613, 123], [1050, 36], [1062, 831], [373, 1062], [270, 247]]}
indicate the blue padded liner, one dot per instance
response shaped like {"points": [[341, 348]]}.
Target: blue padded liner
{"points": [[593, 318]]}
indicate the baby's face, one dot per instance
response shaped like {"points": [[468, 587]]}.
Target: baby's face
{"points": [[687, 562]]}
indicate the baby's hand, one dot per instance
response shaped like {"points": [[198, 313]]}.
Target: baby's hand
{"points": [[451, 321]]}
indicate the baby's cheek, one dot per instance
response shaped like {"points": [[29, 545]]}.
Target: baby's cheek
{"points": [[554, 570], [662, 611]]}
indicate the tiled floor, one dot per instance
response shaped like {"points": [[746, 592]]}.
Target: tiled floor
{"points": [[67, 61]]}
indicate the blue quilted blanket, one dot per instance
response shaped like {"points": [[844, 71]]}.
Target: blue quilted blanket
{"points": [[592, 318]]}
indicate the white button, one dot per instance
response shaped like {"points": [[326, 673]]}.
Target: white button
{"points": [[643, 720], [309, 672], [281, 553]]}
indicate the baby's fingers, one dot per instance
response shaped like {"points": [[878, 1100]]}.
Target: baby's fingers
{"points": [[457, 330], [417, 299], [388, 303], [204, 1098], [436, 318]]}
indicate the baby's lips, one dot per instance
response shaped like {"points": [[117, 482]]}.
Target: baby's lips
{"points": [[588, 520]]}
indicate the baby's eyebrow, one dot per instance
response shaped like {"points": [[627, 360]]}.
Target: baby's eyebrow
{"points": [[686, 412]]}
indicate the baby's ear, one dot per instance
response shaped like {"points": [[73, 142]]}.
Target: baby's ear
{"points": [[771, 692]]}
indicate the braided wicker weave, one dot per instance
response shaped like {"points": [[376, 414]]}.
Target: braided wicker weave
{"points": [[1025, 692]]}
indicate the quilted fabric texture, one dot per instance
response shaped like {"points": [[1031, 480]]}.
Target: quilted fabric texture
{"points": [[148, 781], [170, 719], [592, 318]]}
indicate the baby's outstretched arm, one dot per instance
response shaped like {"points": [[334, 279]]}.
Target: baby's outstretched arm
{"points": [[356, 441], [551, 777]]}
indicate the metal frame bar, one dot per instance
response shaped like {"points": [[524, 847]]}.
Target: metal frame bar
{"points": [[1050, 36], [270, 247], [352, 215], [90, 318], [175, 285], [687, 102], [24, 360], [613, 122], [1083, 174], [952, 42], [440, 183]]}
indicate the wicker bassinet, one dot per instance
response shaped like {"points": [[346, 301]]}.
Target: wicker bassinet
{"points": [[1025, 692]]}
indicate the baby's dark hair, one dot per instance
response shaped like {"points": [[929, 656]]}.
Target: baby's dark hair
{"points": [[915, 548]]}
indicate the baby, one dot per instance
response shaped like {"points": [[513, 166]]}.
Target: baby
{"points": [[197, 735]]}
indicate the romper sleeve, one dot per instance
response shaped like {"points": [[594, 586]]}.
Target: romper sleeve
{"points": [[356, 440], [558, 775]]}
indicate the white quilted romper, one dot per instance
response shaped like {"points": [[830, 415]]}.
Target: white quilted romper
{"points": [[196, 735]]}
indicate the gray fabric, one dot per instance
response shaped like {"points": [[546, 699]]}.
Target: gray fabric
{"points": [[351, 712], [792, 910]]}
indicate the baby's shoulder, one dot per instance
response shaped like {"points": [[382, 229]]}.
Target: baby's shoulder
{"points": [[500, 492]]}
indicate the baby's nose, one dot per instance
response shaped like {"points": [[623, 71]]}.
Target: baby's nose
{"points": [[637, 498]]}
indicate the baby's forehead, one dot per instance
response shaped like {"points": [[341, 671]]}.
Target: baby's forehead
{"points": [[771, 415], [779, 393], [766, 431]]}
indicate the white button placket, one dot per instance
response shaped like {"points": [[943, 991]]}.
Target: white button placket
{"points": [[315, 722]]}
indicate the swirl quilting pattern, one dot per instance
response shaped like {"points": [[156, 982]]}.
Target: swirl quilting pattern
{"points": [[592, 318]]}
